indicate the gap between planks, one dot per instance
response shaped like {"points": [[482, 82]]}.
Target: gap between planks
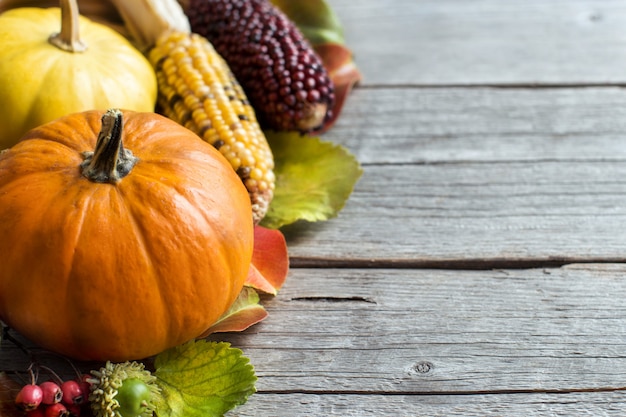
{"points": [[441, 393], [449, 264], [503, 86]]}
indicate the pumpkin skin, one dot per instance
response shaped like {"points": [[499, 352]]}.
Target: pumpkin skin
{"points": [[41, 82], [100, 271]]}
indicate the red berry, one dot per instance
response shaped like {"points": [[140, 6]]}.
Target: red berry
{"points": [[74, 409], [29, 397], [56, 410], [37, 412], [72, 392], [85, 386], [52, 393]]}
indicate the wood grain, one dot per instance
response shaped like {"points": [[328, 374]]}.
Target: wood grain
{"points": [[446, 125], [474, 215], [486, 42], [390, 332], [528, 405], [478, 177]]}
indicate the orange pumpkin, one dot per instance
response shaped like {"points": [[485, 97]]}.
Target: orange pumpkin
{"points": [[123, 252]]}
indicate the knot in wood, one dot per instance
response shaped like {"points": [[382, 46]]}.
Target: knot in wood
{"points": [[422, 368]]}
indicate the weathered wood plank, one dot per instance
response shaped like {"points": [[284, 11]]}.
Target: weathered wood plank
{"points": [[433, 125], [603, 404], [363, 342], [435, 42], [474, 215], [430, 331]]}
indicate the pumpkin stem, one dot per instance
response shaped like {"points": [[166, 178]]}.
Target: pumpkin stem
{"points": [[110, 161], [68, 39]]}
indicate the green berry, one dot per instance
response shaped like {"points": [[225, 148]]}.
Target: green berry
{"points": [[134, 397]]}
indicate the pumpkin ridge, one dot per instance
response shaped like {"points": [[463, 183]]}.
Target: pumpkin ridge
{"points": [[158, 190], [27, 102], [139, 231], [55, 67], [86, 198], [105, 197], [60, 298], [208, 222]]}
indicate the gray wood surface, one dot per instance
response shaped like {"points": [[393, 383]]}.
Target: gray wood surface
{"points": [[484, 214], [434, 342], [372, 405], [487, 42], [451, 125], [479, 267], [492, 138]]}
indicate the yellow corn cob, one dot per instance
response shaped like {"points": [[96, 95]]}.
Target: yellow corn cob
{"points": [[198, 90]]}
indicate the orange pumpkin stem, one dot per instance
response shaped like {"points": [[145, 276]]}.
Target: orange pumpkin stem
{"points": [[68, 39], [110, 161]]}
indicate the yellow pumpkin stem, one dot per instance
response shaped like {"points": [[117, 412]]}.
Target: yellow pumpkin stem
{"points": [[110, 161], [68, 39]]}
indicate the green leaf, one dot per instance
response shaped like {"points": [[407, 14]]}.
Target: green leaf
{"points": [[315, 19], [314, 179], [202, 379]]}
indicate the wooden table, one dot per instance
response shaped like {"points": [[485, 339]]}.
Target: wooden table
{"points": [[479, 267]]}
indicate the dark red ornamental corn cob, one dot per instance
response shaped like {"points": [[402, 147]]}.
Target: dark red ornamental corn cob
{"points": [[278, 69]]}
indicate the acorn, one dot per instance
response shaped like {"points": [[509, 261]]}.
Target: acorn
{"points": [[123, 390]]}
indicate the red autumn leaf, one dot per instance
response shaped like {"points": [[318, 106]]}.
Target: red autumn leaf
{"points": [[245, 312], [343, 73], [270, 261]]}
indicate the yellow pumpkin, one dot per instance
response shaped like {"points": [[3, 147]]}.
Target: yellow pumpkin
{"points": [[116, 251], [43, 77]]}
